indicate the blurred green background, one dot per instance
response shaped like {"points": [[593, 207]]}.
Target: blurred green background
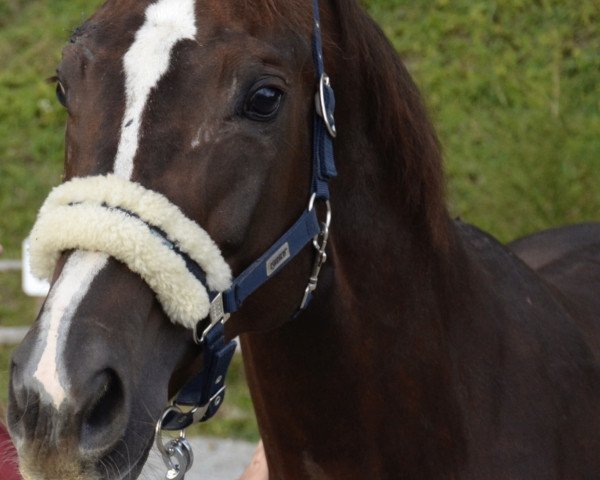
{"points": [[513, 87]]}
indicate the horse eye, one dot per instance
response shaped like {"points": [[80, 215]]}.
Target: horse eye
{"points": [[61, 93], [263, 104]]}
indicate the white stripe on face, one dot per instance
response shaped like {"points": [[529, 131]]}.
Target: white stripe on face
{"points": [[146, 61], [68, 291]]}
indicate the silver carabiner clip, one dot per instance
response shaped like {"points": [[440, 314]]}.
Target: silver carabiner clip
{"points": [[177, 453], [320, 244], [181, 458]]}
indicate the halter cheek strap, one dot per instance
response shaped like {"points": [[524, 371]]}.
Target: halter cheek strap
{"points": [[308, 227], [204, 391]]}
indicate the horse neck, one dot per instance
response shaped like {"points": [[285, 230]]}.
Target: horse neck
{"points": [[374, 337], [370, 354]]}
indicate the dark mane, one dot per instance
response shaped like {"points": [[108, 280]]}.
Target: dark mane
{"points": [[397, 119]]}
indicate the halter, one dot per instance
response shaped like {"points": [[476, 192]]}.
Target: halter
{"points": [[204, 393]]}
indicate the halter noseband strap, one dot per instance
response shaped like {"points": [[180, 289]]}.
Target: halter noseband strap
{"points": [[205, 392]]}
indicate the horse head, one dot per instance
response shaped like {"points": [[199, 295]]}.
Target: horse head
{"points": [[209, 106], [199, 133]]}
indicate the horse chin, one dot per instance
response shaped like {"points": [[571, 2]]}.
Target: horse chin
{"points": [[109, 469], [65, 464], [53, 458], [54, 467]]}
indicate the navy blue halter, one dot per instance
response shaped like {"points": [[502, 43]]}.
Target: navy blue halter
{"points": [[205, 392]]}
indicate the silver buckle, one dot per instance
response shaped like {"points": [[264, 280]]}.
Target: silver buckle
{"points": [[217, 310], [198, 411], [320, 104], [216, 315]]}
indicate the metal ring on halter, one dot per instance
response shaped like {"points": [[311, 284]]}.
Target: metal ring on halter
{"points": [[166, 454], [329, 122], [323, 236], [327, 223], [311, 204], [321, 257]]}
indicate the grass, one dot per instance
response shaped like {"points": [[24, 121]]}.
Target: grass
{"points": [[15, 308], [5, 352], [31, 121], [512, 86], [513, 90]]}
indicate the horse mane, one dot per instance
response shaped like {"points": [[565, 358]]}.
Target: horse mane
{"points": [[397, 120]]}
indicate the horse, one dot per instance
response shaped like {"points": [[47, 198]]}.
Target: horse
{"points": [[429, 349]]}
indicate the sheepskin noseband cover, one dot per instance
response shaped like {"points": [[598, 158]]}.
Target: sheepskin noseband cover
{"points": [[112, 215]]}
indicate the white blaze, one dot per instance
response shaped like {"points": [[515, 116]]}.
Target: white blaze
{"points": [[74, 282], [146, 61]]}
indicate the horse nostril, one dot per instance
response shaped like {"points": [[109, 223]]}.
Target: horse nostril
{"points": [[17, 400], [100, 425]]}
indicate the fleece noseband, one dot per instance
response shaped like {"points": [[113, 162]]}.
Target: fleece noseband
{"points": [[142, 229]]}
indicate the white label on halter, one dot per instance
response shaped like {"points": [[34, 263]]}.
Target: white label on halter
{"points": [[278, 259], [146, 61]]}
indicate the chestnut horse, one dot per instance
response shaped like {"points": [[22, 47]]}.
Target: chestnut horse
{"points": [[429, 350]]}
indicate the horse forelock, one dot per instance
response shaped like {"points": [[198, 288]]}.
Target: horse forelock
{"points": [[295, 14]]}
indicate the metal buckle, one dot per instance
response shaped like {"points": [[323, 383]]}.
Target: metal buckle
{"points": [[216, 315], [322, 108], [199, 411], [320, 247]]}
